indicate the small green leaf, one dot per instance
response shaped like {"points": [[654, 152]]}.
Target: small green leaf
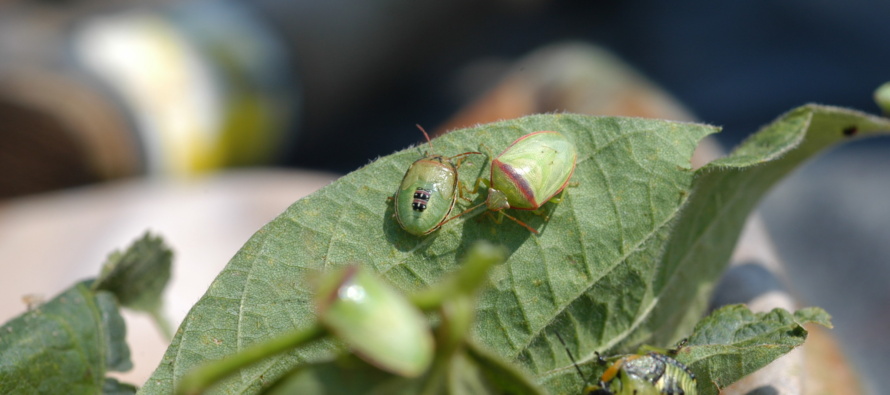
{"points": [[733, 342], [64, 346], [138, 276], [813, 315]]}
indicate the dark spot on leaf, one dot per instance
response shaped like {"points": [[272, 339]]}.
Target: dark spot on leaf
{"points": [[850, 131]]}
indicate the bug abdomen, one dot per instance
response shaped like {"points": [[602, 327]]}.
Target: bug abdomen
{"points": [[677, 378], [426, 195], [421, 199]]}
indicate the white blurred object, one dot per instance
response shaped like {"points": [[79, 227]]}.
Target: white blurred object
{"points": [[177, 104], [207, 83]]}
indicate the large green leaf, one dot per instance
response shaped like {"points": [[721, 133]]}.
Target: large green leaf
{"points": [[632, 175], [65, 346], [630, 256]]}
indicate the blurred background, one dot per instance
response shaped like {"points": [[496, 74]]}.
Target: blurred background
{"points": [[202, 120]]}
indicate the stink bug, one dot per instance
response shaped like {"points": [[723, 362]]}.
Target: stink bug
{"points": [[641, 374], [644, 373], [427, 192], [528, 173]]}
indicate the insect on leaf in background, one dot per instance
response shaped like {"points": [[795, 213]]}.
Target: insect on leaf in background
{"points": [[529, 173], [645, 373], [428, 192]]}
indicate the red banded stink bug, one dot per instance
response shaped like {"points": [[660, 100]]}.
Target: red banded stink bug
{"points": [[427, 192], [529, 173]]}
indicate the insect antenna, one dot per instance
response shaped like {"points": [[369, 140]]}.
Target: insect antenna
{"points": [[428, 141], [572, 358]]}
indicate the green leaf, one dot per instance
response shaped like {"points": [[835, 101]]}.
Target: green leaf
{"points": [[501, 376], [114, 330], [369, 320], [64, 346], [727, 190], [628, 257], [734, 342], [632, 175], [138, 277], [704, 233], [731, 343], [813, 315]]}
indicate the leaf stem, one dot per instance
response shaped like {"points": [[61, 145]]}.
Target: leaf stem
{"points": [[157, 314], [202, 377]]}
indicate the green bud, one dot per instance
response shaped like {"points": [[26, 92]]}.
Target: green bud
{"points": [[376, 321]]}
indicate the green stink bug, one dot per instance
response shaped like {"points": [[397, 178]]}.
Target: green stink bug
{"points": [[427, 192], [530, 172]]}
